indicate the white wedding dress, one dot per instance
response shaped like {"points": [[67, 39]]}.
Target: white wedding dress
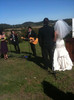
{"points": [[61, 58]]}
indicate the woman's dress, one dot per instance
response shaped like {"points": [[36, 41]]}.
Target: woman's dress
{"points": [[61, 58], [4, 48]]}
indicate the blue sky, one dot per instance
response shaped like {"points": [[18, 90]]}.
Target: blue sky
{"points": [[20, 11]]}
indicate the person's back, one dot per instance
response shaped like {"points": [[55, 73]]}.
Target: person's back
{"points": [[46, 41], [47, 35]]}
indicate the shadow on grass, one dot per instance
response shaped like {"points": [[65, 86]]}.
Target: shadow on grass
{"points": [[25, 55], [28, 53], [56, 94], [37, 60], [40, 62], [12, 51]]}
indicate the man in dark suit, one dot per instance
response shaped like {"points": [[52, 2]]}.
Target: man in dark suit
{"points": [[32, 34], [14, 41], [46, 41]]}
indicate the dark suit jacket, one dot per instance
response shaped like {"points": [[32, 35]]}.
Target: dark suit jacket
{"points": [[46, 36], [33, 34], [16, 38]]}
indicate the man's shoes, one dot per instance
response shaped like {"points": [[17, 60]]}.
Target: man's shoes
{"points": [[54, 73]]}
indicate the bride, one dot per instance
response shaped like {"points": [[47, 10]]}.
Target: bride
{"points": [[61, 58]]}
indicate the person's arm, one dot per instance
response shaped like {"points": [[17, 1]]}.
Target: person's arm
{"points": [[16, 37], [40, 38], [55, 35]]}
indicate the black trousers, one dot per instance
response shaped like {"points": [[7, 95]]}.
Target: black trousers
{"points": [[16, 46], [33, 49], [47, 54]]}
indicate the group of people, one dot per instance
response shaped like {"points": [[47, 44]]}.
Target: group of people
{"points": [[51, 41], [3, 43]]}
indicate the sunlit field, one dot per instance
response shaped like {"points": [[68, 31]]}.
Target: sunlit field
{"points": [[25, 79]]}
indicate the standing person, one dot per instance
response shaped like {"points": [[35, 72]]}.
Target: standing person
{"points": [[61, 59], [46, 41], [4, 48], [32, 34], [14, 41]]}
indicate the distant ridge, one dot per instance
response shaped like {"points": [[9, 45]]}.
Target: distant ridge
{"points": [[26, 24]]}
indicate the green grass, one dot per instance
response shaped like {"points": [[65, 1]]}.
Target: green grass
{"points": [[24, 79]]}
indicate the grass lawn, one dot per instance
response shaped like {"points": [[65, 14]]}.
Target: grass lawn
{"points": [[24, 78]]}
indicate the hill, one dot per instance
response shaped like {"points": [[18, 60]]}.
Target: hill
{"points": [[33, 24]]}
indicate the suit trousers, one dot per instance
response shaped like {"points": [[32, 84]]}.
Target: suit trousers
{"points": [[33, 49], [47, 53]]}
